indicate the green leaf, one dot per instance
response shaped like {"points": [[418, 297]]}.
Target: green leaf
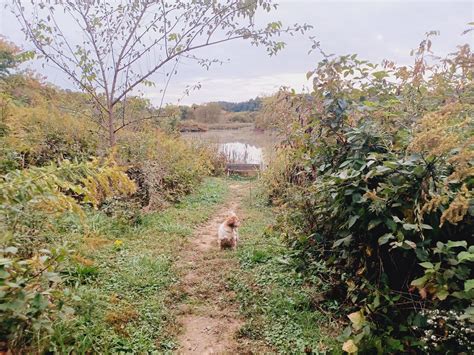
{"points": [[427, 265], [3, 274], [447, 274], [379, 75], [172, 37], [468, 313], [469, 285], [352, 220], [442, 294], [391, 224], [357, 197], [373, 223], [376, 302], [394, 345], [460, 294], [420, 282], [462, 243], [385, 238], [409, 226], [465, 255], [346, 241]]}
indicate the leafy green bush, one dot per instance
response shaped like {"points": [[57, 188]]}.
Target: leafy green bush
{"points": [[53, 189], [31, 298], [377, 181], [31, 294]]}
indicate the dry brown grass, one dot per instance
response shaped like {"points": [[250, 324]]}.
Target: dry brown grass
{"points": [[95, 242], [119, 317], [229, 126], [82, 260]]}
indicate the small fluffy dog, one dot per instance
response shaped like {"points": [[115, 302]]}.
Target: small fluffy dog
{"points": [[227, 236]]}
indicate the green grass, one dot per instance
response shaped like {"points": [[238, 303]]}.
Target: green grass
{"points": [[275, 299], [236, 177], [123, 292]]}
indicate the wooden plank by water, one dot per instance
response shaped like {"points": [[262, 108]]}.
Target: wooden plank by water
{"points": [[243, 169]]}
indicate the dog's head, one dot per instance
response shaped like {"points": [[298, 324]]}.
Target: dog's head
{"points": [[232, 220]]}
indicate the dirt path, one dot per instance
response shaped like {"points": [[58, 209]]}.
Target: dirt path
{"points": [[209, 318]]}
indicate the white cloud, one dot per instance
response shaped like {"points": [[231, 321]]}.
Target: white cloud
{"points": [[230, 88]]}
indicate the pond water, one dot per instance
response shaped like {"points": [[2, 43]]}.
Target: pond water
{"points": [[244, 145], [237, 152]]}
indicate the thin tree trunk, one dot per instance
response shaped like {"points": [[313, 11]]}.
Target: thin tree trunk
{"points": [[111, 128]]}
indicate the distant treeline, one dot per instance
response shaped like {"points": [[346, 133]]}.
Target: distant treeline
{"points": [[250, 105]]}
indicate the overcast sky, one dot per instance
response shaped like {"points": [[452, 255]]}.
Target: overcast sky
{"points": [[374, 29]]}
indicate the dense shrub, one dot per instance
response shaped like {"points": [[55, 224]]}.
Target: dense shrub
{"points": [[166, 167], [36, 130], [375, 178], [30, 196], [32, 296], [41, 124], [209, 113]]}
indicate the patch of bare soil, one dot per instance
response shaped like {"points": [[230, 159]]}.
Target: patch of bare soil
{"points": [[208, 318]]}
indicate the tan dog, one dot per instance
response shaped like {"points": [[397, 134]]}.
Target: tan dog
{"points": [[227, 236]]}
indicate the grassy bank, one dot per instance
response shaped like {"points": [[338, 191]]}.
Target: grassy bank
{"points": [[122, 275], [279, 306]]}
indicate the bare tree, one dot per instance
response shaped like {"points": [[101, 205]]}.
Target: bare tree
{"points": [[111, 48], [208, 113]]}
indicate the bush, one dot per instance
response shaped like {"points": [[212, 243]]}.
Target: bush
{"points": [[31, 298], [378, 183], [31, 295], [30, 197], [167, 167], [37, 131]]}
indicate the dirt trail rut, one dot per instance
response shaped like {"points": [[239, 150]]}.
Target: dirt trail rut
{"points": [[209, 317]]}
